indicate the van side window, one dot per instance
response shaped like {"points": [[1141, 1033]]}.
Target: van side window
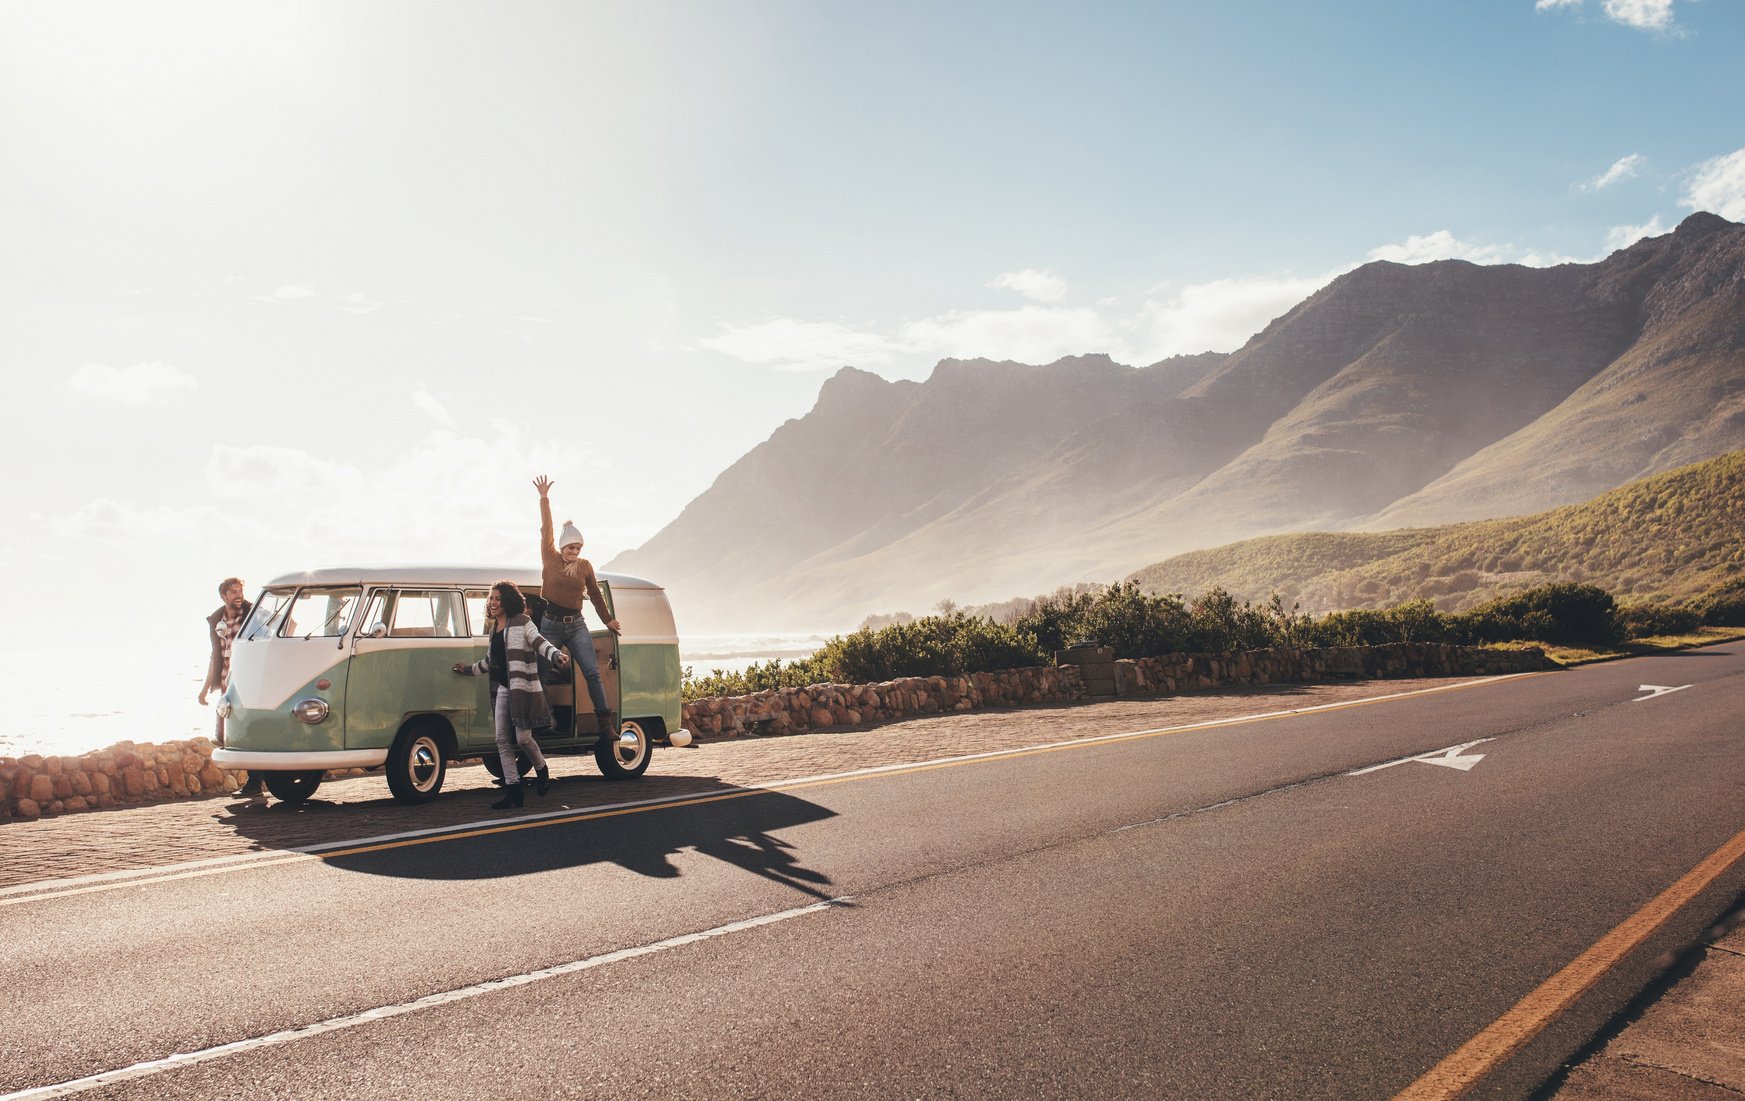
{"points": [[425, 613], [475, 599]]}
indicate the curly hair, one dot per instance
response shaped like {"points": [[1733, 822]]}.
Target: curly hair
{"points": [[510, 598]]}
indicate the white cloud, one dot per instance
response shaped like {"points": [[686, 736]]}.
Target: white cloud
{"points": [[270, 471], [1624, 236], [1440, 245], [445, 497], [285, 293], [795, 345], [1217, 316], [136, 384], [354, 303], [1625, 168], [1032, 334], [1643, 15], [1718, 186], [433, 407], [1038, 286]]}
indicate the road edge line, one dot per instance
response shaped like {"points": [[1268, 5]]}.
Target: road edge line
{"points": [[1527, 1018]]}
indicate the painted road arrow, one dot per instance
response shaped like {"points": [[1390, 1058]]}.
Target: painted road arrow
{"points": [[1455, 756], [1654, 690]]}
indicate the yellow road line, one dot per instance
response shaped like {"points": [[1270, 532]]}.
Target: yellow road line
{"points": [[1476, 1058]]}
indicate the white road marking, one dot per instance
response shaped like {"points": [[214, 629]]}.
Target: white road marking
{"points": [[43, 890], [1656, 690], [1455, 756], [382, 1013]]}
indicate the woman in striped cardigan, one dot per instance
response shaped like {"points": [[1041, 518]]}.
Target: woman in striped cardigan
{"points": [[516, 694]]}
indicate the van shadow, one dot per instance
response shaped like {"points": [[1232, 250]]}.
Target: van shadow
{"points": [[735, 825]]}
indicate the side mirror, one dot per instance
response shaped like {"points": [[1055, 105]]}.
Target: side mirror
{"points": [[379, 630]]}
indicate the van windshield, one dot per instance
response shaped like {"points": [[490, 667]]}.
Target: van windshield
{"points": [[265, 616], [319, 613]]}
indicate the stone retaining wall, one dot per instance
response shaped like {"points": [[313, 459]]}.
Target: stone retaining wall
{"points": [[790, 710], [32, 787]]}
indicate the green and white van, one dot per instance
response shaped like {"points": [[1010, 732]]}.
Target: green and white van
{"points": [[353, 668]]}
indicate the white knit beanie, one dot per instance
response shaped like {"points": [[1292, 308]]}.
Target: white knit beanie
{"points": [[570, 535]]}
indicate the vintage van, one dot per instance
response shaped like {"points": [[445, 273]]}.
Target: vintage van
{"points": [[353, 668]]}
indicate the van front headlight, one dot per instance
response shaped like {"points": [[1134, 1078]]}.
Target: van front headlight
{"points": [[310, 710], [225, 707]]}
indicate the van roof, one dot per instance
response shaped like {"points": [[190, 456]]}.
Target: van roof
{"points": [[472, 577]]}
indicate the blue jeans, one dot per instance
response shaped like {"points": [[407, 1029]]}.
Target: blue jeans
{"points": [[574, 637]]}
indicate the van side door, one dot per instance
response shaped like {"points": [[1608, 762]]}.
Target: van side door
{"points": [[402, 665]]}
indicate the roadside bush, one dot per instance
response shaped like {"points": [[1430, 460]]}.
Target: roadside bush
{"points": [[1565, 612], [1413, 621], [1723, 605], [758, 677], [941, 645], [1645, 620], [1122, 616]]}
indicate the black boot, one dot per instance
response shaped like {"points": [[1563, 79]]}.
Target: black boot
{"points": [[514, 795], [541, 780]]}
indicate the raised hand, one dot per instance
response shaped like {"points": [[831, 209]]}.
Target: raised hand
{"points": [[543, 484]]}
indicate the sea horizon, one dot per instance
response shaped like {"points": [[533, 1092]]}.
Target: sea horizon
{"points": [[130, 694]]}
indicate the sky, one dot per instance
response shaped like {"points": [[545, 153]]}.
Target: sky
{"points": [[296, 284]]}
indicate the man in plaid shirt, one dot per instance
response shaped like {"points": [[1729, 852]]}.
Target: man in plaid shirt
{"points": [[222, 627]]}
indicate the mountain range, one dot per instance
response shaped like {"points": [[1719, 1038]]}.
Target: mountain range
{"points": [[1396, 396]]}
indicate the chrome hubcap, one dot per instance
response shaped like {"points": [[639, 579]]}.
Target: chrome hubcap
{"points": [[426, 763], [631, 745]]}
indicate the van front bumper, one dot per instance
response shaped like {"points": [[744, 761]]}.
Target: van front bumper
{"points": [[263, 760]]}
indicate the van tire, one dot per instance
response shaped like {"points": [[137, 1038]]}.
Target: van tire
{"points": [[418, 762], [292, 787], [625, 757], [494, 764]]}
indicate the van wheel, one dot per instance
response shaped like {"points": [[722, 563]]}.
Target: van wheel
{"points": [[417, 764], [292, 787], [494, 764], [625, 757]]}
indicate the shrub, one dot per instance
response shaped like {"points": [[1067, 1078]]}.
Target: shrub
{"points": [[1413, 621], [939, 645], [1566, 612], [757, 677], [1644, 620], [1723, 605]]}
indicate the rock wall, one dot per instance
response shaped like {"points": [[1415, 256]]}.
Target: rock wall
{"points": [[32, 787], [125, 773], [790, 710]]}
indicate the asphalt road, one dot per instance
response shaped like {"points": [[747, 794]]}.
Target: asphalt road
{"points": [[1240, 911]]}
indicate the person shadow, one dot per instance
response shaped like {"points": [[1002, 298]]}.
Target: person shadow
{"points": [[736, 825]]}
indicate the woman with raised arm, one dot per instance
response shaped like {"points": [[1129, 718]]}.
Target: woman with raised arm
{"points": [[516, 695], [565, 578]]}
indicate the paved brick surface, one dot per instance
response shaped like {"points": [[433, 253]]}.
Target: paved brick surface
{"points": [[158, 834]]}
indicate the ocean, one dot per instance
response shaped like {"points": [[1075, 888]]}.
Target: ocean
{"points": [[71, 701]]}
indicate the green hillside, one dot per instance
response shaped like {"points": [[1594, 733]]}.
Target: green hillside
{"points": [[1669, 537]]}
